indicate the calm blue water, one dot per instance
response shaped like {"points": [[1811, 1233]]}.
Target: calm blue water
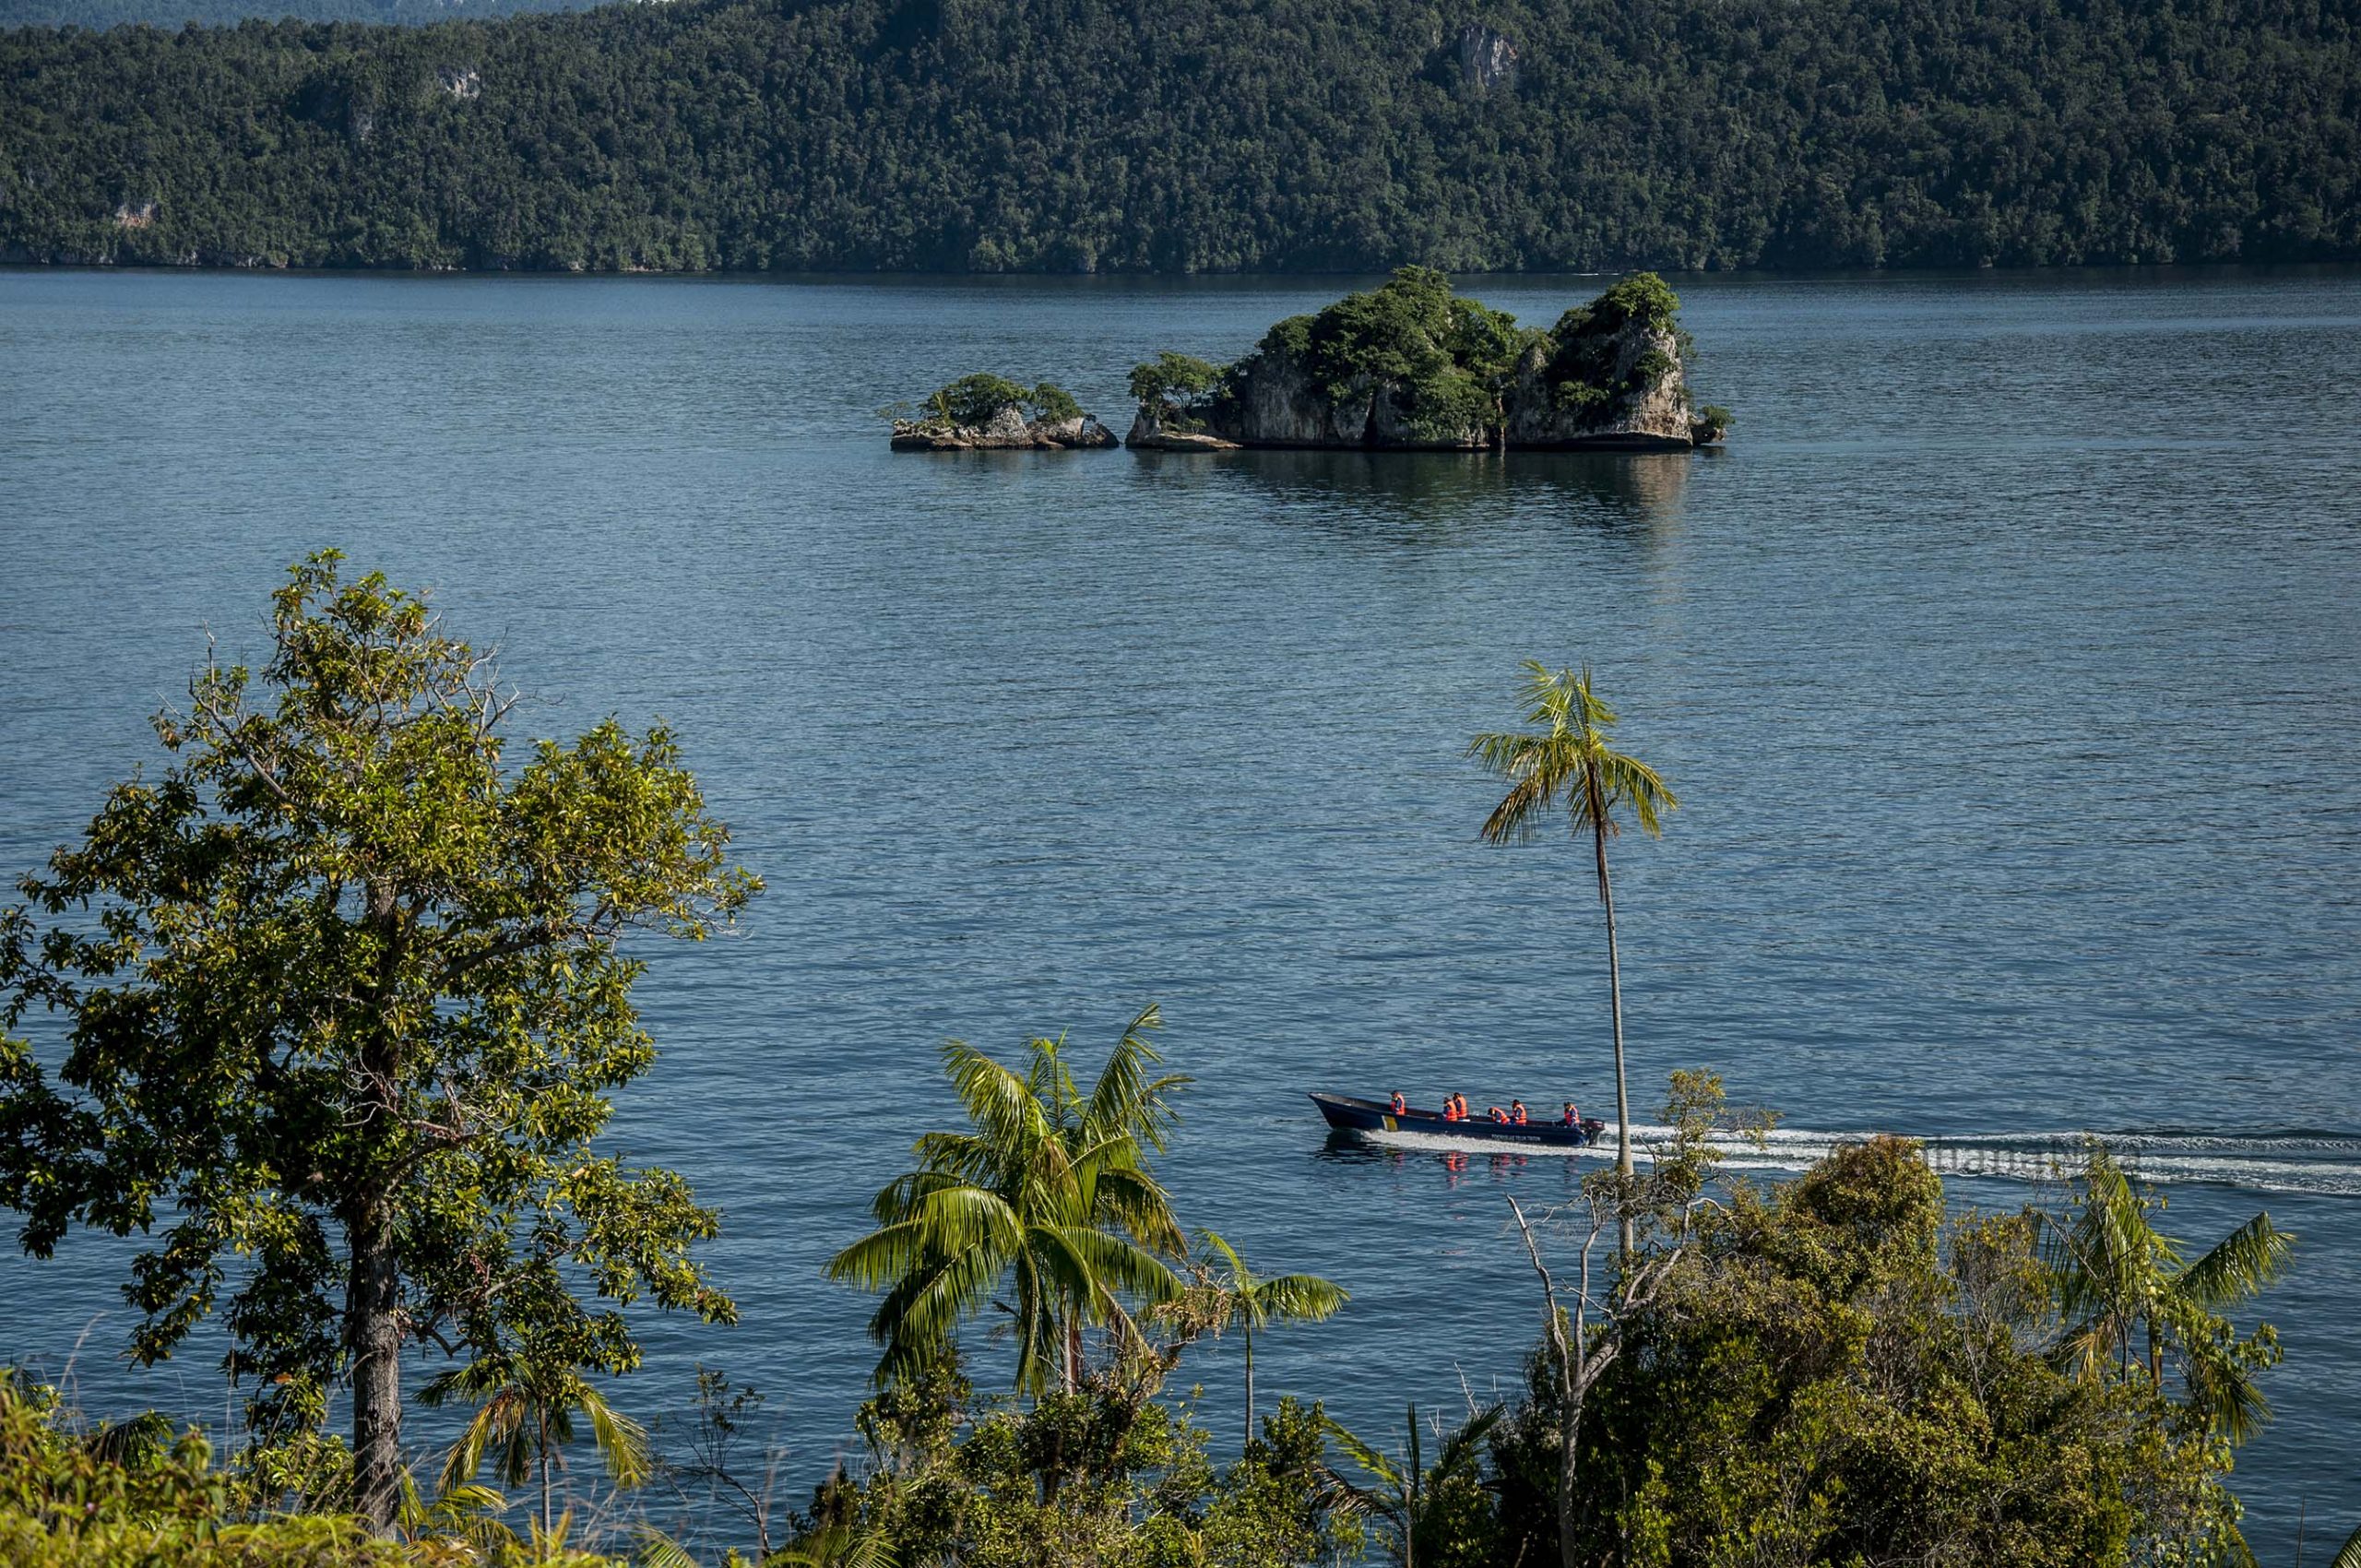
{"points": [[2007, 666]]}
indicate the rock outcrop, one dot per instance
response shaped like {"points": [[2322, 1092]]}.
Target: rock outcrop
{"points": [[1150, 434], [1006, 430], [1634, 400], [1407, 367]]}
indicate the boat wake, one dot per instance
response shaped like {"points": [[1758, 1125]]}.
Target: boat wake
{"points": [[2296, 1161]]}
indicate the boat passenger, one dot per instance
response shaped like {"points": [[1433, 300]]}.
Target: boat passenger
{"points": [[1450, 1109], [1573, 1118], [1401, 1106], [1516, 1112], [1497, 1114], [1461, 1101]]}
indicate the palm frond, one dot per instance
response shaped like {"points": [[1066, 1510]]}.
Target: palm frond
{"points": [[1239, 1279], [2349, 1554], [1305, 1298], [657, 1549], [1367, 1455], [2240, 1265], [623, 1441]]}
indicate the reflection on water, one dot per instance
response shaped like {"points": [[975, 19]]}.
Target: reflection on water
{"points": [[1437, 493]]}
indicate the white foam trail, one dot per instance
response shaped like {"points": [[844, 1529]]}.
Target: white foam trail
{"points": [[2318, 1163]]}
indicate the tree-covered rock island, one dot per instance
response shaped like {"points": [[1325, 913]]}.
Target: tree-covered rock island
{"points": [[985, 413], [1410, 366]]}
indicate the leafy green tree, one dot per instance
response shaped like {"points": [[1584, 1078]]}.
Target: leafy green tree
{"points": [[1179, 388], [1050, 1193], [1834, 1371], [1570, 762], [976, 399], [1252, 1302], [1052, 404], [1584, 1334], [1107, 1475], [342, 993], [1438, 1513], [2129, 1298]]}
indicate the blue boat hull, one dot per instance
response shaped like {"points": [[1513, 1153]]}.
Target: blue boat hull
{"points": [[1352, 1114]]}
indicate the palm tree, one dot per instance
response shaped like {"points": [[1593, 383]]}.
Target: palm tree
{"points": [[1252, 1304], [1049, 1193], [1407, 1489], [1570, 762], [525, 1415], [2130, 1299]]}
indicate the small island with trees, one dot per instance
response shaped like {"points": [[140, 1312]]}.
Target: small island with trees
{"points": [[1409, 366], [990, 412]]}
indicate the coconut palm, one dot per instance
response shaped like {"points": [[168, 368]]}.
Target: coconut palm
{"points": [[1048, 1195], [1252, 1302], [1570, 762], [524, 1418], [1407, 1489], [2130, 1301]]}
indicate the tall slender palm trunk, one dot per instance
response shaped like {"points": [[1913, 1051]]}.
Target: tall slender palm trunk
{"points": [[1250, 1382], [1614, 999]]}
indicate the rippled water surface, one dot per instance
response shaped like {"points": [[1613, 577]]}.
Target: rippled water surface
{"points": [[2007, 666]]}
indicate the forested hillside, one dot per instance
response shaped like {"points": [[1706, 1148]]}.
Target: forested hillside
{"points": [[227, 13], [1192, 134]]}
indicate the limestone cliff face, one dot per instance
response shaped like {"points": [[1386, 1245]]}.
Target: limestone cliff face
{"points": [[1633, 397], [1007, 430], [1275, 401]]}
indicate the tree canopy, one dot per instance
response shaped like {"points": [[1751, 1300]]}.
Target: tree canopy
{"points": [[337, 998], [951, 135]]}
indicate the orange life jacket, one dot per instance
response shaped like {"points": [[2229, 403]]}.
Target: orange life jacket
{"points": [[1517, 1115]]}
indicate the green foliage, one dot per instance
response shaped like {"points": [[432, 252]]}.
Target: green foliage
{"points": [[1834, 1374], [1439, 1516], [99, 15], [1586, 373], [1103, 1476], [974, 399], [1176, 381], [1051, 403], [1449, 359], [1050, 1193], [342, 1017], [1713, 421], [2128, 1297], [1190, 138], [137, 1494]]}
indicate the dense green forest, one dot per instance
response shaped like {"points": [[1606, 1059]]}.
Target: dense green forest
{"points": [[1081, 135], [229, 13]]}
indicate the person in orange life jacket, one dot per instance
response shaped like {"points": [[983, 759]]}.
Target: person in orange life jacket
{"points": [[1497, 1114], [1573, 1117], [1516, 1112], [1450, 1109], [1400, 1105], [1459, 1101]]}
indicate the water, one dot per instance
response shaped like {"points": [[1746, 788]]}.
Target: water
{"points": [[2007, 666]]}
